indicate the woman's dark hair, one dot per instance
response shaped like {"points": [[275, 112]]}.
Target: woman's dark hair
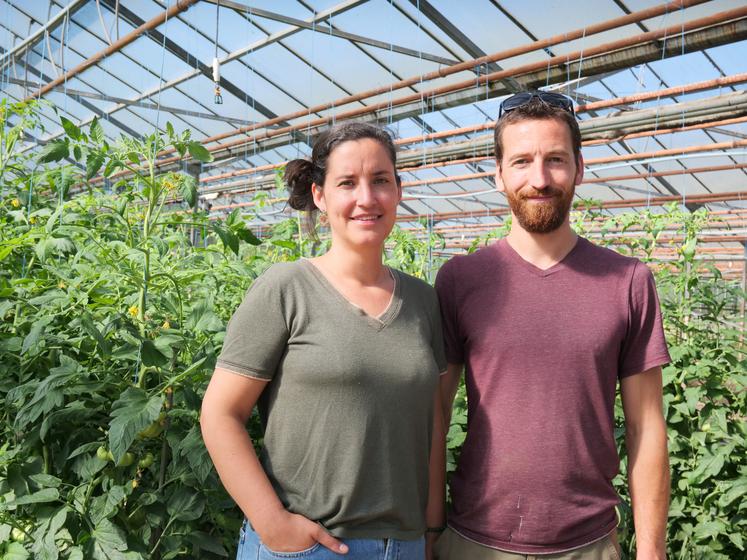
{"points": [[301, 173]]}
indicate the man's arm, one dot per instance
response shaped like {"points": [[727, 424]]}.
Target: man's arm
{"points": [[648, 461], [449, 386]]}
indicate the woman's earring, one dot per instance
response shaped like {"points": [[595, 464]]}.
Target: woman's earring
{"points": [[323, 220]]}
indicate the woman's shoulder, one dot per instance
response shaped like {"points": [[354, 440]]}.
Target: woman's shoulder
{"points": [[281, 271], [279, 278]]}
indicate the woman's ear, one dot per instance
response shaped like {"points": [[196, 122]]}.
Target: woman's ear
{"points": [[317, 194]]}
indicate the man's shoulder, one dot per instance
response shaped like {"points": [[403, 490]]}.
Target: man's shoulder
{"points": [[480, 258], [604, 257]]}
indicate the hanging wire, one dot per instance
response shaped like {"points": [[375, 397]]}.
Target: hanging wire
{"points": [[64, 32], [64, 35], [103, 25], [580, 65], [217, 97], [330, 25], [49, 51], [390, 107], [682, 53], [116, 18]]}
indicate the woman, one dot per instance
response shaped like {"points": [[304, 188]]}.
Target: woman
{"points": [[342, 356]]}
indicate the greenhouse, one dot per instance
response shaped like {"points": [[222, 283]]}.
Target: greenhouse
{"points": [[145, 186]]}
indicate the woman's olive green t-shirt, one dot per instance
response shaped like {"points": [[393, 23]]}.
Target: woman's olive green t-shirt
{"points": [[347, 412]]}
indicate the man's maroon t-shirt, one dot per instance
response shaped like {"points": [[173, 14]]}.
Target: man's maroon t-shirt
{"points": [[543, 351]]}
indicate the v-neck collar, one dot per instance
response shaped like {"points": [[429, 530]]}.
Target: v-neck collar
{"points": [[379, 322], [506, 247]]}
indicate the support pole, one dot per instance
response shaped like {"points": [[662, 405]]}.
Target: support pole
{"points": [[743, 309]]}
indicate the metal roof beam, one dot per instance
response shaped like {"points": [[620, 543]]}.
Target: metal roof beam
{"points": [[88, 105], [275, 37], [604, 58], [722, 34], [48, 27], [118, 80], [177, 8], [334, 32], [153, 106], [456, 35], [188, 58], [521, 26]]}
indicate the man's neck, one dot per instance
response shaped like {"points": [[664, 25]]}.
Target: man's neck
{"points": [[543, 250]]}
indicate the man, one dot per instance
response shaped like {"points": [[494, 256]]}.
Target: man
{"points": [[545, 323]]}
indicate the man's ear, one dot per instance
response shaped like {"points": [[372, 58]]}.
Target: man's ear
{"points": [[579, 169], [316, 194], [500, 187]]}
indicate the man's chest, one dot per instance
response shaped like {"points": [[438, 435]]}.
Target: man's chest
{"points": [[525, 320]]}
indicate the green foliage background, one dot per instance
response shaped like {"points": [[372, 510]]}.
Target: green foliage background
{"points": [[113, 308]]}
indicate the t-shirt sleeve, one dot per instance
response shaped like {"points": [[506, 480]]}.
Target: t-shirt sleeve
{"points": [[644, 346], [257, 334], [449, 320]]}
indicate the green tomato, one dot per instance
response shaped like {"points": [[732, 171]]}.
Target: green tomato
{"points": [[146, 461], [155, 428], [103, 453], [152, 431], [127, 459], [17, 535]]}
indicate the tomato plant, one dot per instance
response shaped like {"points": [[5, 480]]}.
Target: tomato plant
{"points": [[114, 303]]}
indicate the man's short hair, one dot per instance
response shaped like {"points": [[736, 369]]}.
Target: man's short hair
{"points": [[536, 109]]}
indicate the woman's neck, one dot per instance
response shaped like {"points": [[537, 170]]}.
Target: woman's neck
{"points": [[364, 267]]}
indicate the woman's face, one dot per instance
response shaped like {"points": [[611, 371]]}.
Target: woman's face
{"points": [[360, 193]]}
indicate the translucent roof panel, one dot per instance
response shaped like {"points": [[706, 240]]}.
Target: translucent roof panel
{"points": [[280, 58]]}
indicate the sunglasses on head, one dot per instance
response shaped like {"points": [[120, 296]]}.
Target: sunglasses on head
{"points": [[550, 98]]}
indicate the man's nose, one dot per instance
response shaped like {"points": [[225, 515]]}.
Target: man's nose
{"points": [[538, 175]]}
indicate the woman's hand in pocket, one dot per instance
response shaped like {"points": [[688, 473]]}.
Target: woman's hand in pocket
{"points": [[294, 533]]}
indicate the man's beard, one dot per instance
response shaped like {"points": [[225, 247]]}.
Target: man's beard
{"points": [[543, 217]]}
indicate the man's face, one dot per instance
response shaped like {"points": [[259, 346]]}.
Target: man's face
{"points": [[539, 173]]}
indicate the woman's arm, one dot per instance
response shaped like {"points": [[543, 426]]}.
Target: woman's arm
{"points": [[228, 404], [435, 514]]}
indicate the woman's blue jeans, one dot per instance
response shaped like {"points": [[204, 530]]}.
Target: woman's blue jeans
{"points": [[251, 548]]}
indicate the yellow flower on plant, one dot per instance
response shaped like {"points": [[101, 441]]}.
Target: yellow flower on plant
{"points": [[169, 184], [15, 203], [32, 220], [166, 325], [61, 285], [133, 310]]}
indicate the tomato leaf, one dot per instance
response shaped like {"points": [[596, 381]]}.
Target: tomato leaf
{"points": [[54, 151], [71, 129], [131, 413], [96, 131], [199, 152]]}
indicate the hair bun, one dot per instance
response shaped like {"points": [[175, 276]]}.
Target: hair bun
{"points": [[299, 175]]}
